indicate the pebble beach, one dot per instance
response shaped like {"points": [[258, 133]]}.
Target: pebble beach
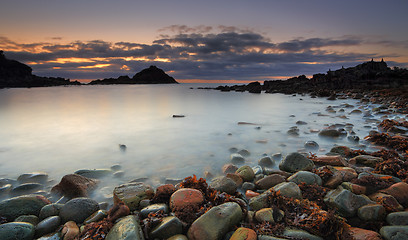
{"points": [[337, 193]]}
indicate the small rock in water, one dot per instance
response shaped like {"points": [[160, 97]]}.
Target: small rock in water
{"points": [[116, 167], [132, 193], [266, 161], [122, 147], [237, 158], [178, 116], [49, 210], [224, 184], [244, 152], [233, 150], [301, 123], [94, 173], [26, 188], [23, 205], [295, 162], [246, 173], [73, 185], [47, 225], [311, 145], [35, 177], [229, 168], [28, 219]]}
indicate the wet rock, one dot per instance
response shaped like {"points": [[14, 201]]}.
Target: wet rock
{"points": [[186, 197], [78, 209], [5, 190], [397, 218], [178, 237], [132, 193], [233, 150], [70, 231], [354, 139], [365, 160], [330, 133], [96, 216], [237, 158], [305, 177], [51, 236], [119, 174], [289, 189], [345, 201], [127, 228], [335, 160], [35, 177], [236, 178], [354, 188], [26, 188], [246, 173], [248, 186], [47, 225], [49, 210], [215, 223], [267, 237], [301, 122], [293, 131], [154, 208], [399, 191], [261, 201], [354, 233], [73, 185], [340, 174], [229, 168], [23, 205], [169, 226], [343, 151], [371, 212], [311, 145], [17, 230], [277, 157], [28, 219], [394, 232], [299, 234], [94, 173], [224, 184], [257, 170], [388, 201], [244, 152], [269, 181], [116, 167], [269, 215], [296, 162], [117, 211], [363, 174], [244, 234], [266, 161]]}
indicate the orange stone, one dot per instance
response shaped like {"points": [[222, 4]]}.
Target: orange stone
{"points": [[399, 191], [354, 233], [250, 194], [186, 197], [244, 234]]}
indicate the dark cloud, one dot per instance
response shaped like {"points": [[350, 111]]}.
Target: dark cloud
{"points": [[191, 53]]}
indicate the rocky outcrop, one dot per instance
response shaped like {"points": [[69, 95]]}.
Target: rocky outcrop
{"points": [[14, 74], [151, 75], [368, 76]]}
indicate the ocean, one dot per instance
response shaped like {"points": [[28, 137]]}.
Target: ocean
{"points": [[59, 130]]}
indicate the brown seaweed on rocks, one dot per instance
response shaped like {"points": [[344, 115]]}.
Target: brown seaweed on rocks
{"points": [[314, 193]]}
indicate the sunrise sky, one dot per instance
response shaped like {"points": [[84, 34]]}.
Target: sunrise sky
{"points": [[209, 40]]}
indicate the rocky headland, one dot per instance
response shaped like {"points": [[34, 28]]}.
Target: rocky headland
{"points": [[151, 75], [14, 74], [365, 77]]}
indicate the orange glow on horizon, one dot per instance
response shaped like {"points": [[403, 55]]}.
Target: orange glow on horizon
{"points": [[215, 81], [95, 66]]}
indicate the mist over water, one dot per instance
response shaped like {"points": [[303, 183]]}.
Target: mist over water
{"points": [[63, 129]]}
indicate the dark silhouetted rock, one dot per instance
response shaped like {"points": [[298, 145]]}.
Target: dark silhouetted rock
{"points": [[14, 74], [151, 75]]}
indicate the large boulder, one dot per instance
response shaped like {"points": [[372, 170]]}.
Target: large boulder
{"points": [[23, 205], [215, 223], [78, 209], [73, 185], [296, 162], [399, 191]]}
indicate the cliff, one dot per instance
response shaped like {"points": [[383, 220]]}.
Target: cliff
{"points": [[14, 74], [151, 75]]}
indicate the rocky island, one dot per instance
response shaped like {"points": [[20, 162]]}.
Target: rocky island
{"points": [[14, 74], [151, 75]]}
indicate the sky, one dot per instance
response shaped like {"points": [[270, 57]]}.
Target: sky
{"points": [[201, 41]]}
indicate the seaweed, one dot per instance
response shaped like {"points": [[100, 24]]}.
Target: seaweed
{"points": [[96, 230], [323, 172], [314, 193], [373, 183]]}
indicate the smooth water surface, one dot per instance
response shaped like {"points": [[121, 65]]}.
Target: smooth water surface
{"points": [[62, 129]]}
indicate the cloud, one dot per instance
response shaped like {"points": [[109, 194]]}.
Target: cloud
{"points": [[200, 52]]}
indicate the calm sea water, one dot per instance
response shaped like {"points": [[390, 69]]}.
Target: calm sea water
{"points": [[62, 129]]}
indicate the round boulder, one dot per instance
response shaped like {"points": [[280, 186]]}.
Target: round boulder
{"points": [[78, 209], [296, 162]]}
